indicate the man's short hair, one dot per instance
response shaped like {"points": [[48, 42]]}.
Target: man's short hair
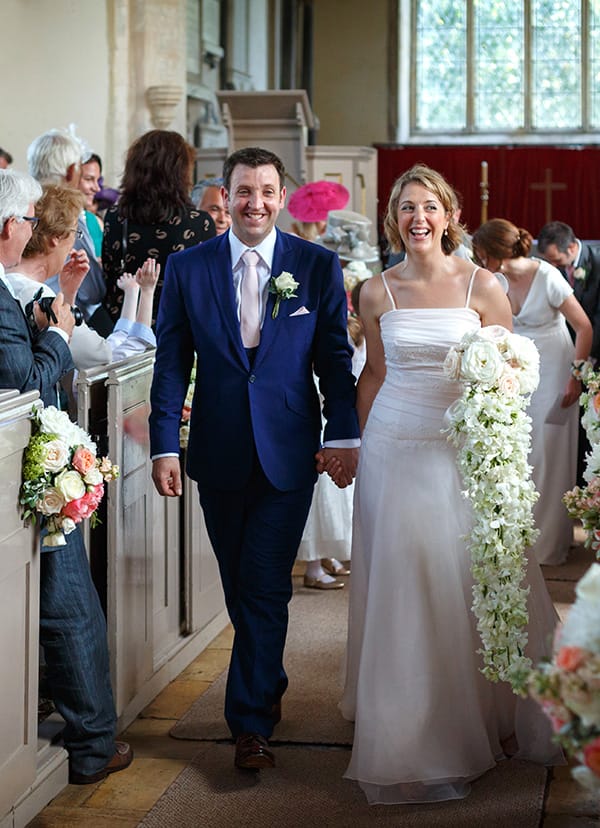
{"points": [[252, 157], [17, 191], [201, 187], [558, 233], [51, 154]]}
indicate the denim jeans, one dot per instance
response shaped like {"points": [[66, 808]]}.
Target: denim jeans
{"points": [[73, 636]]}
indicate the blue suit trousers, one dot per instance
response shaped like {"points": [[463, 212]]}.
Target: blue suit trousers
{"points": [[255, 533]]}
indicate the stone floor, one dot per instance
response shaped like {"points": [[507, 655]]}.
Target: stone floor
{"points": [[122, 800]]}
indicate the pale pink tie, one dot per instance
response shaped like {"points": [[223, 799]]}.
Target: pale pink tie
{"points": [[249, 310]]}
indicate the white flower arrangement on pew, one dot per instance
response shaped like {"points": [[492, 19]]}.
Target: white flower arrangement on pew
{"points": [[568, 687], [63, 480], [584, 502], [491, 430]]}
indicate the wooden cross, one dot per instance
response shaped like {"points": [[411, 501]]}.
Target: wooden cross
{"points": [[547, 186]]}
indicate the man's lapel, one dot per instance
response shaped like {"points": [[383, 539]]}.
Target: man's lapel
{"points": [[221, 277]]}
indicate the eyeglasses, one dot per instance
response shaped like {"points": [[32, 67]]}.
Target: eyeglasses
{"points": [[34, 220]]}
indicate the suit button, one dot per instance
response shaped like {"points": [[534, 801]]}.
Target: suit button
{"points": [[251, 378]]}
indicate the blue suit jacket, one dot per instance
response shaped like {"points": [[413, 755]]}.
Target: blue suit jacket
{"points": [[26, 362], [272, 405]]}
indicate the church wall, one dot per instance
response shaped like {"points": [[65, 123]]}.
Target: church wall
{"points": [[54, 64], [351, 75]]}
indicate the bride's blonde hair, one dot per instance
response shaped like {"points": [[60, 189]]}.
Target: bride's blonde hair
{"points": [[436, 184]]}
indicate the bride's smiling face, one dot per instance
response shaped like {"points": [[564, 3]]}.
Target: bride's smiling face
{"points": [[421, 218]]}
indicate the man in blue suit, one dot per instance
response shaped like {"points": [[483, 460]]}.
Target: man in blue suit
{"points": [[72, 624], [256, 420]]}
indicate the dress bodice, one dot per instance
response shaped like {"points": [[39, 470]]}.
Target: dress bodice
{"points": [[416, 393]]}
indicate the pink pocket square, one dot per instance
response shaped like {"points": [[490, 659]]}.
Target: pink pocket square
{"points": [[300, 312]]}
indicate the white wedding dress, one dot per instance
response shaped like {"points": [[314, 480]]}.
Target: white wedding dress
{"points": [[426, 721]]}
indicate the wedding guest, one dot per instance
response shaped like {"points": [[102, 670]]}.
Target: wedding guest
{"points": [[311, 203], [72, 624], [207, 196], [89, 185], [426, 721], [50, 250], [154, 215], [542, 302], [579, 263], [56, 157], [327, 538]]}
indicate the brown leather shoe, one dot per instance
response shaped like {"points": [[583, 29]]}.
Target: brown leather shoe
{"points": [[122, 758], [252, 752]]}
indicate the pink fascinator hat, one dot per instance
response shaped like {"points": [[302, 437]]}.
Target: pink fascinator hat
{"points": [[314, 200]]}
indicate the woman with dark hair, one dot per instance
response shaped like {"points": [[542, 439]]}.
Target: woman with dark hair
{"points": [[154, 215], [542, 303]]}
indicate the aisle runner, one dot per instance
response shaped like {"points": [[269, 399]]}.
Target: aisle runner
{"points": [[306, 789], [313, 661]]}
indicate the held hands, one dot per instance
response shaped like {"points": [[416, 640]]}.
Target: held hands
{"points": [[339, 463], [73, 273], [166, 474]]}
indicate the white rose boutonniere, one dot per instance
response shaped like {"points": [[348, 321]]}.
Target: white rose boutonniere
{"points": [[579, 273], [283, 286]]}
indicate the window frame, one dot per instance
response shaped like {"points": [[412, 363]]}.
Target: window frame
{"points": [[404, 93]]}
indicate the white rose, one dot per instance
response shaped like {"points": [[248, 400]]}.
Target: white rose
{"points": [[70, 485], [55, 455], [93, 477], [53, 421], [452, 364], [51, 503], [481, 362], [285, 282], [494, 333], [509, 384]]}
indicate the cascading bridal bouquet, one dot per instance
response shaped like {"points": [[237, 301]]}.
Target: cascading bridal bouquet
{"points": [[63, 480], [491, 430], [568, 687]]}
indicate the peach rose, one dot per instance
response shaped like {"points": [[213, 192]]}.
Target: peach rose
{"points": [[83, 460]]}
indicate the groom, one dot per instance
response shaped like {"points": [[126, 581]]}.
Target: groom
{"points": [[256, 419]]}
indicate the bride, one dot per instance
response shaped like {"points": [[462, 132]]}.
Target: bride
{"points": [[426, 721]]}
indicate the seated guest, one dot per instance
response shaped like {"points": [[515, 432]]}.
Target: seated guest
{"points": [[56, 157], [72, 625], [50, 250], [154, 215]]}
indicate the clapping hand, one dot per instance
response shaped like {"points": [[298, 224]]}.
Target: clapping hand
{"points": [[74, 271], [147, 275]]}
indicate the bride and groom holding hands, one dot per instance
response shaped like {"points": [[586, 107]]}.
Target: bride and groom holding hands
{"points": [[255, 451]]}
